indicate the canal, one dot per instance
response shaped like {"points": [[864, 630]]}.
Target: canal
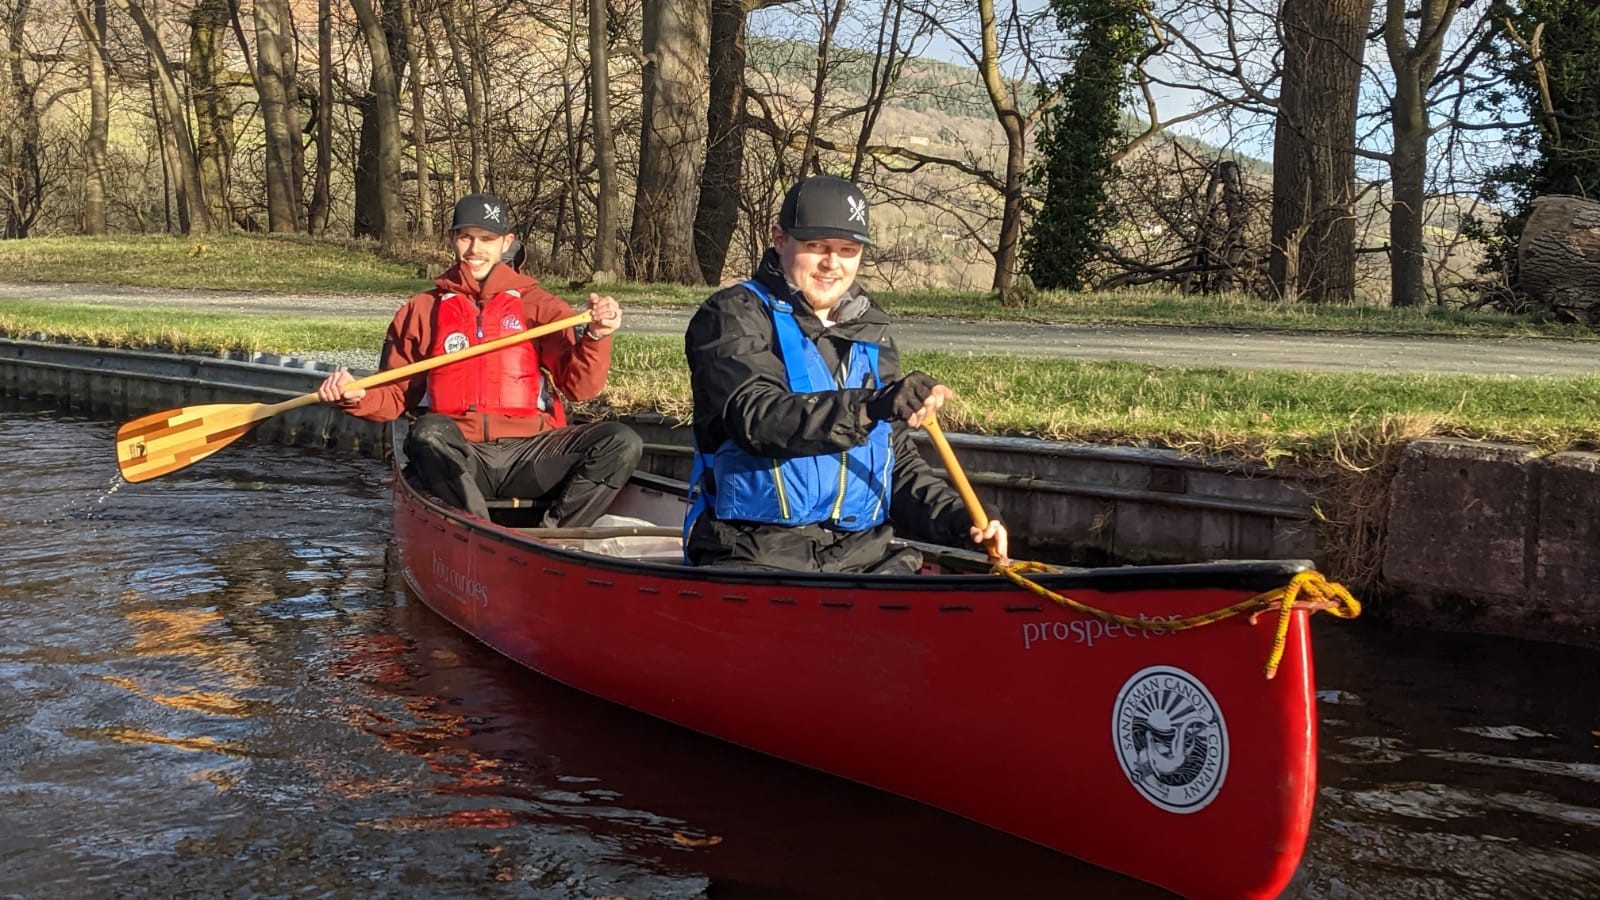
{"points": [[215, 683]]}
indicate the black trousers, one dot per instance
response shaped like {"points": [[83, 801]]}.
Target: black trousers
{"points": [[572, 473], [801, 548]]}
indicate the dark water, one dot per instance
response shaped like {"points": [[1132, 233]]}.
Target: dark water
{"points": [[212, 684]]}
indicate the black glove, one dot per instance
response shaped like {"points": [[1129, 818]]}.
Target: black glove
{"points": [[897, 400]]}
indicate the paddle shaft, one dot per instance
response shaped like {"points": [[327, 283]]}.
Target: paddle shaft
{"points": [[958, 476], [389, 376], [164, 442]]}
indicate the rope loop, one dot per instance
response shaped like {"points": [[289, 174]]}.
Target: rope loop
{"points": [[1308, 591]]}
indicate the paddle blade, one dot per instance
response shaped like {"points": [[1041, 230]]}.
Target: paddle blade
{"points": [[167, 441]]}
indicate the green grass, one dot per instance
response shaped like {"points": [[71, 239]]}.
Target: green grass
{"points": [[1273, 416], [184, 332], [292, 264], [1287, 417], [286, 263]]}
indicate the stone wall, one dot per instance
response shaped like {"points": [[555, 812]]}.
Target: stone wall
{"points": [[1496, 538]]}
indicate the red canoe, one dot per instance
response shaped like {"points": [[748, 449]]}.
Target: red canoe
{"points": [[1166, 757]]}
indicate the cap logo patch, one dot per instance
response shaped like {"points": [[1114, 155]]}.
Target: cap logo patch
{"points": [[491, 212], [858, 210]]}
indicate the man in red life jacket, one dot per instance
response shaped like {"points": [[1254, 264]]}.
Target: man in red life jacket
{"points": [[495, 426]]}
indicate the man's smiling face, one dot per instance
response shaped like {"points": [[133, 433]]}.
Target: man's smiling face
{"points": [[822, 270], [479, 249]]}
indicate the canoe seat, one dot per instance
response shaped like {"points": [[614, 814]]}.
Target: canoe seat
{"points": [[623, 537]]}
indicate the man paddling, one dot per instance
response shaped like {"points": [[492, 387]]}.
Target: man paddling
{"points": [[802, 418], [495, 426]]}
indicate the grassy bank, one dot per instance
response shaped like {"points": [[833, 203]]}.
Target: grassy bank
{"points": [[1273, 416], [297, 264]]}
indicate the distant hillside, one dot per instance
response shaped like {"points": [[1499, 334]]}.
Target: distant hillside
{"points": [[942, 109], [925, 85], [934, 89]]}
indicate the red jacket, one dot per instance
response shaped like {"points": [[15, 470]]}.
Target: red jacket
{"points": [[577, 368]]}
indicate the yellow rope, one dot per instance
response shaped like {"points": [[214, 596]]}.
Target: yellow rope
{"points": [[1307, 590]]}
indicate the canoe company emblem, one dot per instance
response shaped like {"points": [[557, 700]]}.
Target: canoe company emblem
{"points": [[456, 341], [1169, 734]]}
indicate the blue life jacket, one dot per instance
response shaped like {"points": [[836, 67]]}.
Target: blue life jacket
{"points": [[848, 490]]}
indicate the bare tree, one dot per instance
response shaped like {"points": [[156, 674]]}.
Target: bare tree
{"points": [[383, 212], [275, 84], [91, 19], [607, 220], [474, 89], [409, 20], [717, 213], [1313, 216], [1021, 30], [893, 42], [677, 39], [1415, 62], [194, 215], [209, 84], [20, 145], [321, 188]]}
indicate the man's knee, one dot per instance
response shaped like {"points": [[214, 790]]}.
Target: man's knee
{"points": [[615, 451], [435, 431]]}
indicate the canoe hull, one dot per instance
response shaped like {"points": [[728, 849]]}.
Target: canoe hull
{"points": [[1167, 757]]}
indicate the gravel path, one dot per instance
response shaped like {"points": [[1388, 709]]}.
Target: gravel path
{"points": [[1153, 345]]}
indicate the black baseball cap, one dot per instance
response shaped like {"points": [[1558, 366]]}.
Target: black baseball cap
{"points": [[484, 211], [822, 207]]}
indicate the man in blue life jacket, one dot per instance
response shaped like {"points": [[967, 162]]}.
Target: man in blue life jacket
{"points": [[802, 417]]}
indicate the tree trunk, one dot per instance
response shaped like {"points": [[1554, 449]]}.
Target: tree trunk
{"points": [[467, 73], [1313, 159], [274, 84], [317, 213], [92, 23], [213, 110], [1558, 257], [1005, 110], [677, 39], [448, 116], [607, 222], [384, 208], [19, 143], [194, 215], [717, 214], [419, 119], [1414, 68]]}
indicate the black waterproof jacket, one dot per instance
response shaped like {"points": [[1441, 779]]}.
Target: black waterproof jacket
{"points": [[741, 393]]}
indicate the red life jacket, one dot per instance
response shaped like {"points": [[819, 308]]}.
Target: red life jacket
{"points": [[507, 382]]}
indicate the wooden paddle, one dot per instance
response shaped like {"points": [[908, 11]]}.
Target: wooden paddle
{"points": [[958, 477], [167, 441]]}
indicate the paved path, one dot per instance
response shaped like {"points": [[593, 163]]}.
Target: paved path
{"points": [[1153, 345]]}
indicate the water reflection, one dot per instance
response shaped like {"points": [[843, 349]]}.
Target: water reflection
{"points": [[214, 683], [1451, 767]]}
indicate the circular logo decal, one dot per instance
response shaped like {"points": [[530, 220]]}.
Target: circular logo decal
{"points": [[1168, 732], [455, 341]]}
